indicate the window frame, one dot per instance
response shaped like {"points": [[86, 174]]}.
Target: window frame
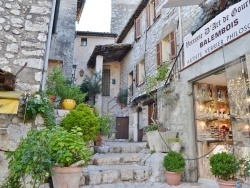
{"points": [[84, 39], [140, 78]]}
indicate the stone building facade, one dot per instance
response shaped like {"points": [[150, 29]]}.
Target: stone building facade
{"points": [[62, 42], [121, 12], [173, 115], [23, 37]]}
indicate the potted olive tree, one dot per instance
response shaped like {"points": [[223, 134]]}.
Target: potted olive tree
{"points": [[174, 163], [224, 166], [123, 97]]}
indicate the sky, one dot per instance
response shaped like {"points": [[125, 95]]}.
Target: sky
{"points": [[96, 16]]}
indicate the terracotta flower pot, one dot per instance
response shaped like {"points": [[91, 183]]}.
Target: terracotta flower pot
{"points": [[227, 184], [68, 104], [173, 178], [52, 99], [67, 177], [98, 141]]}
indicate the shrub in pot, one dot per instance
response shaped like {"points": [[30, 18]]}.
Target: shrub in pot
{"points": [[70, 94], [224, 166], [82, 117], [123, 97], [174, 163], [106, 123]]}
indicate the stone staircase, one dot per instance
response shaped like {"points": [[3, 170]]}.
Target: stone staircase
{"points": [[116, 162]]}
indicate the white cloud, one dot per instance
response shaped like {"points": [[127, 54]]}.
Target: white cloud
{"points": [[96, 16]]}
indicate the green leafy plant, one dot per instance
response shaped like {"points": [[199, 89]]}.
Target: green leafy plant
{"points": [[32, 157], [170, 140], [68, 148], [148, 128], [39, 103], [92, 85], [85, 119], [106, 123], [70, 91], [123, 96], [54, 79], [161, 75], [42, 149], [224, 166], [174, 162]]}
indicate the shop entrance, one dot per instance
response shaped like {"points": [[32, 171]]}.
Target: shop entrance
{"points": [[222, 105], [212, 118]]}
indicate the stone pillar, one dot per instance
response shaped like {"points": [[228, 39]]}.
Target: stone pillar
{"points": [[99, 68], [135, 131]]}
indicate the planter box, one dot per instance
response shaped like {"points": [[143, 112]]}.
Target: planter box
{"points": [[156, 140]]}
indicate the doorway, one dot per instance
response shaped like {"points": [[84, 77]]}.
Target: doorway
{"points": [[122, 128]]}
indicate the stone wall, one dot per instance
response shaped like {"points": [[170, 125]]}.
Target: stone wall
{"points": [[121, 12], [23, 36], [62, 44]]}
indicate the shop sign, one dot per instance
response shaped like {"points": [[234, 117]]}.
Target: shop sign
{"points": [[225, 27]]}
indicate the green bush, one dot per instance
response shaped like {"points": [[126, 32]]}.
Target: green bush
{"points": [[85, 119], [54, 79], [174, 162], [224, 166], [106, 123], [123, 96]]}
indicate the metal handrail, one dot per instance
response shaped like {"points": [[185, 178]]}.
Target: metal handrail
{"points": [[110, 102], [174, 67]]}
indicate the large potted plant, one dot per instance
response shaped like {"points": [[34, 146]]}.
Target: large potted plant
{"points": [[123, 97], [224, 166], [70, 94], [92, 85], [69, 153], [174, 163], [33, 160], [54, 79], [106, 123]]}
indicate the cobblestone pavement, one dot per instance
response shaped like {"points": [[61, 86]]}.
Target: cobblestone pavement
{"points": [[202, 183]]}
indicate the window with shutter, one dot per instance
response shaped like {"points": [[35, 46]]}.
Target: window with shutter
{"points": [[137, 74], [159, 54], [106, 82], [138, 28], [148, 15], [157, 11], [172, 44]]}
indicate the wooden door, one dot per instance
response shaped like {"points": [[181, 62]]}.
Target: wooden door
{"points": [[122, 127]]}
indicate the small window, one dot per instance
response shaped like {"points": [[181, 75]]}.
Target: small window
{"points": [[166, 49], [140, 73], [138, 28], [130, 83], [83, 41]]}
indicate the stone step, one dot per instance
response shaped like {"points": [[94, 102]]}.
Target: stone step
{"points": [[95, 175], [122, 147], [117, 158]]}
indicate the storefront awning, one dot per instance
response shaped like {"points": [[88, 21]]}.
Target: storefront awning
{"points": [[9, 101], [180, 3]]}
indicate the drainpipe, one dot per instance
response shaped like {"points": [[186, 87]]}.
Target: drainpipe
{"points": [[180, 32], [45, 66]]}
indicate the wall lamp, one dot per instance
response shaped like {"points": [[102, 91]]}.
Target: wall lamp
{"points": [[81, 72]]}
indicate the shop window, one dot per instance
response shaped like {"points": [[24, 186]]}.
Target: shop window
{"points": [[140, 73], [106, 82], [83, 41], [166, 49], [138, 28]]}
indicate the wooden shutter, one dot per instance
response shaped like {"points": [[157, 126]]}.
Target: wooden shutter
{"points": [[138, 27], [137, 74], [106, 82], [148, 15], [172, 44], [158, 54]]}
